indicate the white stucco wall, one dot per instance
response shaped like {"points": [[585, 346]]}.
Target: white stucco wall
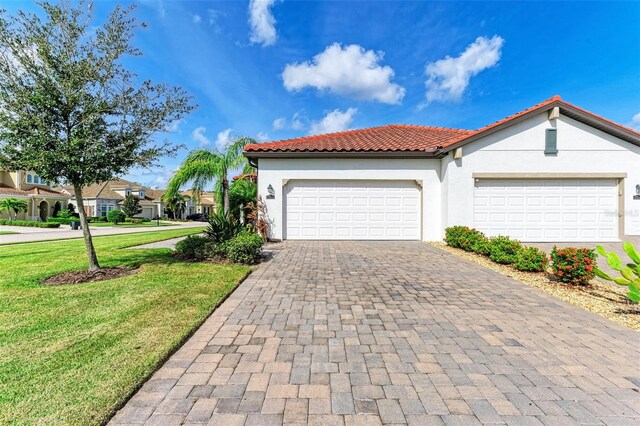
{"points": [[275, 171], [520, 149]]}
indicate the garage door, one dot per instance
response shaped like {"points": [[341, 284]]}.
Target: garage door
{"points": [[352, 210], [547, 210]]}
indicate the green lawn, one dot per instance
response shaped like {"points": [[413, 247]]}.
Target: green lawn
{"points": [[7, 232], [130, 225], [73, 354]]}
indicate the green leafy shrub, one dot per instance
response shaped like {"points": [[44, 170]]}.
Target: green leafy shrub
{"points": [[630, 273], [246, 247], [504, 249], [116, 216], [530, 259], [29, 223], [61, 220], [91, 219], [194, 247], [482, 246], [454, 234], [573, 265], [222, 227]]}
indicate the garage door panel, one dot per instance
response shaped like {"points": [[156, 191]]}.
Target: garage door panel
{"points": [[548, 210], [376, 210]]}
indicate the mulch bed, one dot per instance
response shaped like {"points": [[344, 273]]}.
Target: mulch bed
{"points": [[80, 277], [604, 299]]}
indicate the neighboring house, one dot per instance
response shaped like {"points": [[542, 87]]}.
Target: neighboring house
{"points": [[553, 172], [28, 186], [101, 198], [206, 204]]}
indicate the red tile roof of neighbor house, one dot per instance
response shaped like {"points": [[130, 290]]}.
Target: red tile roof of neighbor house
{"points": [[408, 138], [7, 190]]}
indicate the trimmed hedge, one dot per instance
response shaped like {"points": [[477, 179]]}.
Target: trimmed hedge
{"points": [[63, 220], [29, 223], [246, 247], [573, 265], [504, 249], [531, 259]]}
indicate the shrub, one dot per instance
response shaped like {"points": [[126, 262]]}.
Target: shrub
{"points": [[530, 259], [246, 247], [116, 216], [504, 249], [223, 227], [61, 220], [630, 273], [573, 265], [482, 246], [454, 234], [194, 247], [29, 223]]}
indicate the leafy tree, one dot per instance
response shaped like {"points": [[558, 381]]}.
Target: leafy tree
{"points": [[69, 108], [131, 205], [242, 194], [116, 216], [177, 203], [203, 167], [56, 208], [13, 205], [71, 208]]}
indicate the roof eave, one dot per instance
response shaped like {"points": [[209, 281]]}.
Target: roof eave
{"points": [[343, 154]]}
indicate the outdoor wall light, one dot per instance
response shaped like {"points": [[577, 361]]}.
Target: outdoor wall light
{"points": [[271, 191]]}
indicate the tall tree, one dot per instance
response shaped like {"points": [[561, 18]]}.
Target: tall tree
{"points": [[13, 205], [203, 167], [131, 205], [177, 203], [69, 108]]}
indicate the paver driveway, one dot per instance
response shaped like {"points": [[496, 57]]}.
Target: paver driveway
{"points": [[389, 332]]}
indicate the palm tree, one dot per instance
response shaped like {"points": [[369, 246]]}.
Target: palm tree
{"points": [[13, 205], [177, 203], [203, 167]]}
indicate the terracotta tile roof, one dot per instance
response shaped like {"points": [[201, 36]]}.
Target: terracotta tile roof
{"points": [[7, 190], [397, 137], [394, 137]]}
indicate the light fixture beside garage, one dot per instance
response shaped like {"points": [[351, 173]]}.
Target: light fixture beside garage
{"points": [[271, 192]]}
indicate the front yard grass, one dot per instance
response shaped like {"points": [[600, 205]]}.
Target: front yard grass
{"points": [[73, 354], [7, 232], [130, 225]]}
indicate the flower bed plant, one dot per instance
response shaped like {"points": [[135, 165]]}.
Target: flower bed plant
{"points": [[530, 259], [573, 265], [504, 249]]}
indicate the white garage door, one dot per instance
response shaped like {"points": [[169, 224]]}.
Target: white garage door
{"points": [[547, 209], [352, 210]]}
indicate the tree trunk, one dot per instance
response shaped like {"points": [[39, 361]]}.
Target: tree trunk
{"points": [[225, 194], [86, 233]]}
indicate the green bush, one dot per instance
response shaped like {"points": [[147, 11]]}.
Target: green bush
{"points": [[116, 216], [573, 265], [530, 259], [62, 220], [454, 234], [194, 247], [29, 223], [246, 247], [504, 249], [94, 219], [222, 227], [482, 246]]}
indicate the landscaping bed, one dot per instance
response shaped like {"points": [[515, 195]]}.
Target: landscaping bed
{"points": [[72, 354], [29, 223], [604, 299], [79, 277]]}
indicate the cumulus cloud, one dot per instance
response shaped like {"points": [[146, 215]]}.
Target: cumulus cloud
{"points": [[448, 78], [349, 71], [262, 137], [173, 126], [262, 22], [223, 139], [297, 122], [197, 19], [199, 136], [635, 121], [334, 121]]}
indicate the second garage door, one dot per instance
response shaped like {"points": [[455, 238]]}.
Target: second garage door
{"points": [[547, 209], [352, 210]]}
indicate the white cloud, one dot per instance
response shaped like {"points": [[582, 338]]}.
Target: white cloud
{"points": [[198, 136], [298, 122], [635, 121], [262, 22], [348, 71], [173, 126], [197, 19], [223, 139], [262, 137], [449, 77], [334, 121]]}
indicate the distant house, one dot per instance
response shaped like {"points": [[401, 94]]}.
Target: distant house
{"points": [[41, 199], [205, 205], [101, 198]]}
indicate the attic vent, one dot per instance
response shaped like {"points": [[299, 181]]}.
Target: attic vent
{"points": [[551, 142]]}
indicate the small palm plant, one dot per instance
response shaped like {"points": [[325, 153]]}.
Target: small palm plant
{"points": [[13, 205], [630, 272]]}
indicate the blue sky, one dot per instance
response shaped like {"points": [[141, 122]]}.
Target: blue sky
{"points": [[278, 69]]}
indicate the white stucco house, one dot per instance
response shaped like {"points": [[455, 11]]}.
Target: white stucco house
{"points": [[551, 173]]}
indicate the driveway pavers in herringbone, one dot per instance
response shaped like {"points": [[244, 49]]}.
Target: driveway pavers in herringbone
{"points": [[394, 333]]}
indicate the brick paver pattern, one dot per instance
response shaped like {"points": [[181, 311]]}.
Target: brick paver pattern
{"points": [[392, 333]]}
